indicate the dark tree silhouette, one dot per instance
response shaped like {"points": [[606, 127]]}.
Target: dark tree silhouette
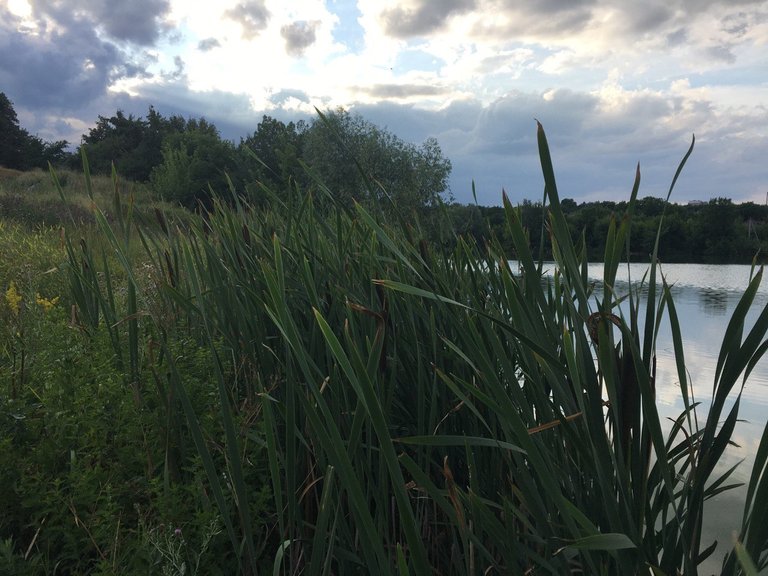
{"points": [[12, 138]]}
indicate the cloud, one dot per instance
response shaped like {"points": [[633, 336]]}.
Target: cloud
{"points": [[283, 96], [519, 18], [231, 113], [178, 72], [736, 25], [61, 69], [596, 140], [642, 18], [299, 36], [676, 37], [504, 62], [423, 18], [138, 21], [208, 44], [721, 52], [399, 91], [252, 15]]}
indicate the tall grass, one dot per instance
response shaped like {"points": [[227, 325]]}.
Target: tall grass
{"points": [[423, 411]]}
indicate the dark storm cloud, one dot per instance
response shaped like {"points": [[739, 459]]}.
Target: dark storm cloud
{"points": [[252, 15], [692, 6], [208, 44], [401, 90], [298, 36], [552, 17], [426, 17], [136, 21], [62, 69]]}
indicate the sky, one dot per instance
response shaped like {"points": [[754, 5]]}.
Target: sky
{"points": [[614, 82]]}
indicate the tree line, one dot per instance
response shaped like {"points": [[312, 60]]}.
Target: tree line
{"points": [[718, 231], [186, 160]]}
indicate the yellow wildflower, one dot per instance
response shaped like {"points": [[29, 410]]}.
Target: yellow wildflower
{"points": [[13, 298], [45, 302]]}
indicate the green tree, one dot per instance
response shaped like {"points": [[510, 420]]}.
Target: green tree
{"points": [[39, 153], [592, 219], [467, 220], [115, 140], [716, 231], [271, 155], [133, 144], [195, 163], [12, 137], [22, 151], [338, 146], [650, 206], [568, 205]]}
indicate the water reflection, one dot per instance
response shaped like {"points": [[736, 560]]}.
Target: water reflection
{"points": [[714, 302], [705, 297]]}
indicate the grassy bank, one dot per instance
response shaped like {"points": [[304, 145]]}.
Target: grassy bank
{"points": [[309, 388]]}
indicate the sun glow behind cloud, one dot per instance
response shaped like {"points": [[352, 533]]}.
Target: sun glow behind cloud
{"points": [[20, 8], [262, 62]]}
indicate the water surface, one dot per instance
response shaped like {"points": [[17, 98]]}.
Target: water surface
{"points": [[705, 297]]}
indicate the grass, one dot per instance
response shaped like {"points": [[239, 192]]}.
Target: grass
{"points": [[32, 199], [345, 398]]}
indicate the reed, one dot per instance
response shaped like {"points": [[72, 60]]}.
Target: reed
{"points": [[425, 411]]}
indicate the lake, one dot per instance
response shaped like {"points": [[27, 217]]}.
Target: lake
{"points": [[705, 297]]}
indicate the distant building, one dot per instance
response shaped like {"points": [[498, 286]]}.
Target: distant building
{"points": [[696, 203]]}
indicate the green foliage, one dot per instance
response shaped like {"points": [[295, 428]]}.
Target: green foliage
{"points": [[187, 161], [133, 145], [272, 155], [11, 136], [717, 232], [95, 451], [359, 161], [195, 166], [321, 390], [38, 153], [90, 460], [21, 150]]}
